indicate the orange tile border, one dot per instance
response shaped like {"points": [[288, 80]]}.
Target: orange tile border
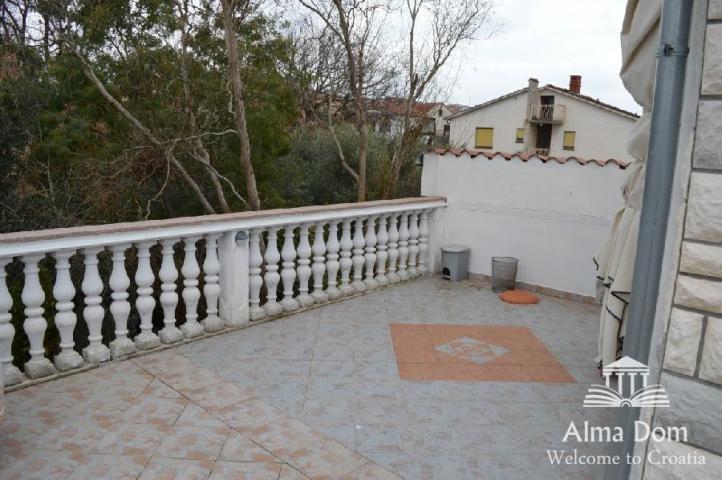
{"points": [[440, 352]]}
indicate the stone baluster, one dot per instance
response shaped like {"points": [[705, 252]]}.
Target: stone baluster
{"points": [[403, 246], [358, 257], [120, 307], [304, 267], [191, 294], [424, 242], [370, 256], [413, 244], [272, 307], [35, 325], [255, 281], [65, 318], [211, 288], [145, 303], [381, 252], [288, 273], [168, 274], [10, 372], [393, 249], [319, 264], [93, 313], [346, 262], [332, 264]]}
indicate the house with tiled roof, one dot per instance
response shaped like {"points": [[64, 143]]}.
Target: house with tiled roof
{"points": [[386, 116], [547, 121]]}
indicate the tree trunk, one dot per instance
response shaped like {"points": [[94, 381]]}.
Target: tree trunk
{"points": [[239, 109]]}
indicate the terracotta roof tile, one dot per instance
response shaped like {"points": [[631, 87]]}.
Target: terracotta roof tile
{"points": [[525, 157]]}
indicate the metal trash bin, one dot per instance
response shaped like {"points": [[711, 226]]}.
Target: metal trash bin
{"points": [[454, 262], [503, 273]]}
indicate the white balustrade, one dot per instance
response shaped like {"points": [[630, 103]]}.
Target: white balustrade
{"points": [[413, 244], [11, 374], [288, 273], [211, 289], [65, 318], [191, 294], [424, 242], [319, 264], [346, 263], [120, 308], [403, 246], [370, 257], [168, 274], [93, 313], [354, 248], [332, 263], [255, 281], [272, 277], [393, 249], [304, 267], [382, 252], [145, 303], [358, 257]]}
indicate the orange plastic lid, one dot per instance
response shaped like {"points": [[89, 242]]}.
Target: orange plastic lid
{"points": [[519, 297]]}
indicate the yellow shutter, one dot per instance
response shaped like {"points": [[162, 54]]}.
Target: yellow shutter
{"points": [[519, 135], [569, 138], [484, 138]]}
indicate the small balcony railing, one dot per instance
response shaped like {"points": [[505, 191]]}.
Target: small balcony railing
{"points": [[327, 252], [543, 152], [546, 113]]}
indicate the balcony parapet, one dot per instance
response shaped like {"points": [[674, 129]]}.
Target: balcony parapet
{"points": [[344, 249], [541, 114]]}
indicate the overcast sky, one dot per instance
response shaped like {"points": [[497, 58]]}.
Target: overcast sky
{"points": [[548, 40]]}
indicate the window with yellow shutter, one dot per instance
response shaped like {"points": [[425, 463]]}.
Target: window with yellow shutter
{"points": [[519, 135], [569, 139], [485, 137]]}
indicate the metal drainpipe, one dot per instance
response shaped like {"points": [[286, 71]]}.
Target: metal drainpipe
{"points": [[659, 178]]}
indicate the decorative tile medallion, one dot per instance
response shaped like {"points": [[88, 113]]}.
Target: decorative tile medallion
{"points": [[474, 353]]}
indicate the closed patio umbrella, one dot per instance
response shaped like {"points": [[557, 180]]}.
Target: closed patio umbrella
{"points": [[615, 259]]}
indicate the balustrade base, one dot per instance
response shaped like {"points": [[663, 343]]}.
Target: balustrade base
{"points": [[334, 293], [404, 275], [121, 347], [305, 300], [394, 278], [146, 341], [382, 280], [213, 324], [289, 305], [192, 329], [69, 360], [347, 290], [38, 368], [319, 297], [258, 313], [359, 286], [12, 376], [170, 334], [96, 353], [273, 309], [371, 283]]}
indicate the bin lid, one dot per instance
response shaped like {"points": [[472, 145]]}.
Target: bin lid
{"points": [[454, 248]]}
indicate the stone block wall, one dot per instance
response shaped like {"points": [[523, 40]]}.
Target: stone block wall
{"points": [[692, 368]]}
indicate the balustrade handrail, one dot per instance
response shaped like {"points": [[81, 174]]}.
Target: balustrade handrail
{"points": [[41, 241]]}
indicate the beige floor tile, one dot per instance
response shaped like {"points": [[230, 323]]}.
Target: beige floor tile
{"points": [[150, 409], [238, 448], [161, 468], [245, 471], [195, 416], [193, 443], [107, 467]]}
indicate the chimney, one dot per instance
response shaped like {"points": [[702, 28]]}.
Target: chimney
{"points": [[575, 83]]}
